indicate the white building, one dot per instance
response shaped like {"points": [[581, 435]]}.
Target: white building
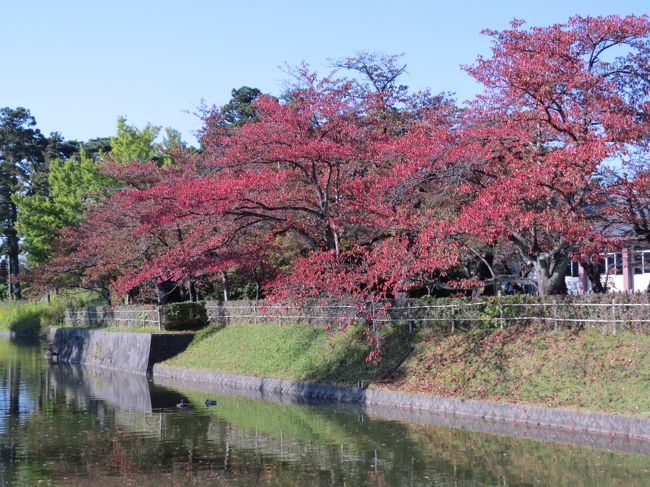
{"points": [[624, 271]]}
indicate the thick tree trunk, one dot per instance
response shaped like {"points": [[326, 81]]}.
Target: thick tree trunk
{"points": [[593, 274], [13, 254], [332, 239], [550, 272]]}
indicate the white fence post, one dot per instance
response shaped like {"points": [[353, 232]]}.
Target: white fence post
{"points": [[453, 318], [501, 318], [409, 317]]}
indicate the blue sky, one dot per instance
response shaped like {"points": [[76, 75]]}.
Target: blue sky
{"points": [[78, 65]]}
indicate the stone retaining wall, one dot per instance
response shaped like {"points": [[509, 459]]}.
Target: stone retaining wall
{"points": [[567, 420], [136, 352]]}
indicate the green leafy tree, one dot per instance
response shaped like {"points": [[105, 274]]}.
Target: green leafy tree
{"points": [[54, 147], [74, 184], [171, 143], [132, 144], [74, 181], [240, 110]]}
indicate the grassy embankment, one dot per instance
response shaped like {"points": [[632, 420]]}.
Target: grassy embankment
{"points": [[531, 364], [31, 317], [289, 351]]}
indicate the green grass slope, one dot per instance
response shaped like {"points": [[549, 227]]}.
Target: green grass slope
{"points": [[575, 369], [291, 351]]}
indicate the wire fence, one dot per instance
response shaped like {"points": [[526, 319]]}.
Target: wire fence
{"points": [[453, 314], [124, 316], [608, 314]]}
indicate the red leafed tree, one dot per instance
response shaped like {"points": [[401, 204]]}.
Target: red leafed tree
{"points": [[559, 102], [630, 204], [114, 240], [321, 169], [285, 176]]}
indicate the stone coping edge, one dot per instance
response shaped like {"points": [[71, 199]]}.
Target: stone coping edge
{"points": [[563, 419]]}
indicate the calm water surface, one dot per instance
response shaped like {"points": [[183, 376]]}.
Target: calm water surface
{"points": [[72, 426]]}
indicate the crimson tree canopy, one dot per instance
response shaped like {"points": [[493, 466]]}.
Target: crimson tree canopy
{"points": [[559, 102], [322, 169], [353, 192], [291, 173]]}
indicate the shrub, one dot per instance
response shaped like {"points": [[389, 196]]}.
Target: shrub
{"points": [[183, 316]]}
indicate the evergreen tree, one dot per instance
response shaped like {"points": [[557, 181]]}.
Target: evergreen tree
{"points": [[22, 149], [132, 144], [240, 110]]}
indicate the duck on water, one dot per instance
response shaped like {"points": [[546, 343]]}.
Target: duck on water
{"points": [[184, 404]]}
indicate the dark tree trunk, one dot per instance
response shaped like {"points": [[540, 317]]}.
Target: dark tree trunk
{"points": [[550, 274], [332, 239], [191, 290], [593, 274], [169, 292], [13, 254]]}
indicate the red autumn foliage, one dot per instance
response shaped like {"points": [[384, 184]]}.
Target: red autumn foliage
{"points": [[560, 102], [337, 192]]}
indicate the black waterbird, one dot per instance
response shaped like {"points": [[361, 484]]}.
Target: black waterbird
{"points": [[183, 404]]}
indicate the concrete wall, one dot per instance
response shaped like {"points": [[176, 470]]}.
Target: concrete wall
{"points": [[136, 352]]}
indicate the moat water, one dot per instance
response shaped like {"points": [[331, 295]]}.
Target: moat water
{"points": [[72, 426]]}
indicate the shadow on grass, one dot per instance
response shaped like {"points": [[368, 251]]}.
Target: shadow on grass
{"points": [[349, 365], [208, 331]]}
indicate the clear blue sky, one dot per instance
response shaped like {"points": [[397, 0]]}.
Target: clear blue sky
{"points": [[78, 65]]}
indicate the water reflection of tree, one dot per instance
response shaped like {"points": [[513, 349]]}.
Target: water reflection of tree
{"points": [[23, 388], [55, 429], [342, 448], [256, 436]]}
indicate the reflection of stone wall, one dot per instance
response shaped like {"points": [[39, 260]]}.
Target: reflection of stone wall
{"points": [[119, 388], [522, 414], [123, 389], [136, 352]]}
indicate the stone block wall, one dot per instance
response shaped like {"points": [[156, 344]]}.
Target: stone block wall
{"points": [[136, 352]]}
